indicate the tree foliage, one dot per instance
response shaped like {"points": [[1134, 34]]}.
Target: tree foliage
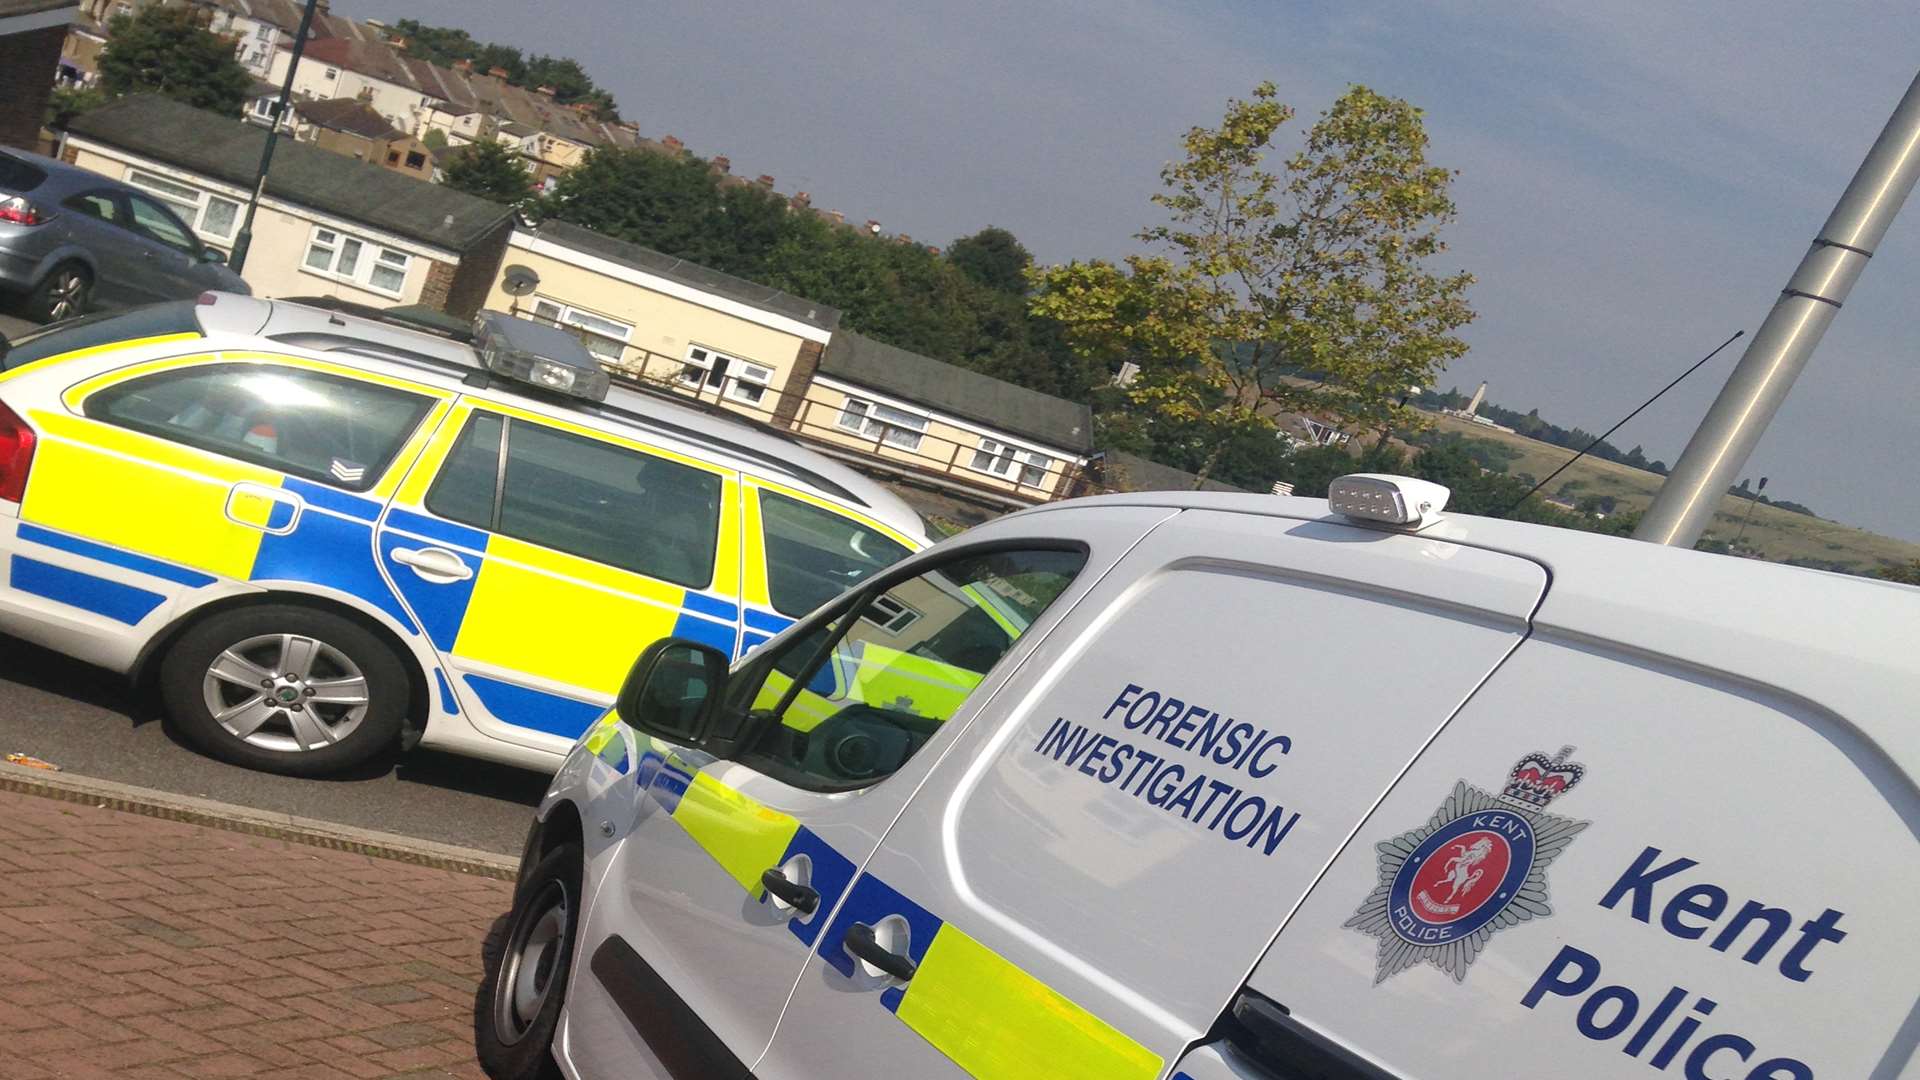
{"points": [[570, 82], [1303, 289], [901, 293], [489, 170], [166, 50]]}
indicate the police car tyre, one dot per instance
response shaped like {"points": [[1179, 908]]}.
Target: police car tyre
{"points": [[285, 689], [518, 1007], [64, 293]]}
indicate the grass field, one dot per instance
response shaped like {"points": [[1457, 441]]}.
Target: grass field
{"points": [[1778, 535]]}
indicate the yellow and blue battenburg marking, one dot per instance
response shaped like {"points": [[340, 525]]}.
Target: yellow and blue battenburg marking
{"points": [[987, 1015]]}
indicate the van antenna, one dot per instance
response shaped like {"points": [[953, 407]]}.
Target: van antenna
{"points": [[1737, 335]]}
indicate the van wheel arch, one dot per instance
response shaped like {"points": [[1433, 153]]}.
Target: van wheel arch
{"points": [[563, 825], [145, 672]]}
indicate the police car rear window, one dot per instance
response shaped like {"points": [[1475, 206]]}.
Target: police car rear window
{"points": [[329, 428], [104, 328]]}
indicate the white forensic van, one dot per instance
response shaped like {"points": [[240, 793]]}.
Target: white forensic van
{"points": [[1211, 786]]}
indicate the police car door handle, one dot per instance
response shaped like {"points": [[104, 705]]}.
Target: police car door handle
{"points": [[434, 564], [799, 897], [862, 944]]}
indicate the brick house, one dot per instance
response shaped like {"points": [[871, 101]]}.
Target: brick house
{"points": [[328, 225], [32, 33]]}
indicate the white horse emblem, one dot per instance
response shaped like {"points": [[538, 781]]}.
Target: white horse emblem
{"points": [[1464, 868]]}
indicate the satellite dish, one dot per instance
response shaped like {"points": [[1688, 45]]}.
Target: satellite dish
{"points": [[519, 280]]}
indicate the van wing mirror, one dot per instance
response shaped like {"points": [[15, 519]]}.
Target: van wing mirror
{"points": [[673, 689]]}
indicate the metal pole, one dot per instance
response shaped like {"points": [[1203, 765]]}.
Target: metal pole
{"points": [[1786, 340], [238, 260]]}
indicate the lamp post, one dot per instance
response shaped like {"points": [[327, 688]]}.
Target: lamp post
{"points": [[238, 260]]}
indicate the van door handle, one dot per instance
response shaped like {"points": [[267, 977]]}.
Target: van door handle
{"points": [[437, 565], [863, 945], [799, 897]]}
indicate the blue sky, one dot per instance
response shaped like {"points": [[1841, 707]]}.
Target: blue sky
{"points": [[1637, 180]]}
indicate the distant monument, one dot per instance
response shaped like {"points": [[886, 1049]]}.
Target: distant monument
{"points": [[1471, 413], [1480, 395]]}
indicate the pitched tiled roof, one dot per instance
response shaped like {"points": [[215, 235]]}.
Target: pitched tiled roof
{"points": [[351, 115], [227, 149], [944, 387]]}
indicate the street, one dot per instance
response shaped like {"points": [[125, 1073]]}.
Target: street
{"points": [[12, 326], [89, 722]]}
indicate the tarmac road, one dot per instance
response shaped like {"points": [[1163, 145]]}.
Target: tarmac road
{"points": [[90, 723]]}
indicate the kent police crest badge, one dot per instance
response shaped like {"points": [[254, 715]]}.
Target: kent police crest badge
{"points": [[1478, 866]]}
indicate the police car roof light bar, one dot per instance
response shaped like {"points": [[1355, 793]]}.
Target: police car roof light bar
{"points": [[539, 355], [1380, 498]]}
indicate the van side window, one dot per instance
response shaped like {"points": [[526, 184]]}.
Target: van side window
{"points": [[845, 717], [607, 503], [814, 555], [328, 428]]}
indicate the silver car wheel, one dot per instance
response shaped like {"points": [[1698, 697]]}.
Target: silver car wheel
{"points": [[286, 692], [530, 963], [65, 295]]}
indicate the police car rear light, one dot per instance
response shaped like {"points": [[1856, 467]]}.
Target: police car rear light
{"points": [[538, 355], [16, 455], [1389, 500]]}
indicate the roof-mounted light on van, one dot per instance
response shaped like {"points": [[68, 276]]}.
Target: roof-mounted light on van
{"points": [[1389, 500], [538, 355]]}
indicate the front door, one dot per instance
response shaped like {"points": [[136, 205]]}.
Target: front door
{"points": [[169, 249], [1079, 893], [731, 868], [541, 557], [100, 222]]}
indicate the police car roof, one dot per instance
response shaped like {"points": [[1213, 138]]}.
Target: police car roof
{"points": [[1843, 642], [412, 341]]}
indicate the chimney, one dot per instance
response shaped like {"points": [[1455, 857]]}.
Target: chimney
{"points": [[322, 7], [801, 200], [498, 73], [722, 164], [904, 238], [838, 217], [764, 181], [873, 227], [463, 65], [547, 90], [399, 43], [673, 143]]}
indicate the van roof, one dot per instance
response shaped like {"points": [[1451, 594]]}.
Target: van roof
{"points": [[367, 335], [1842, 644]]}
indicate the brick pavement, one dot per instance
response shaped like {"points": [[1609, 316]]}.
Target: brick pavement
{"points": [[135, 947]]}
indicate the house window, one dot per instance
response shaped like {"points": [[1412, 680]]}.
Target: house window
{"points": [[359, 262], [393, 157], [604, 337], [890, 614], [1002, 460], [263, 107], [333, 73], [895, 427], [212, 216], [739, 380], [416, 160]]}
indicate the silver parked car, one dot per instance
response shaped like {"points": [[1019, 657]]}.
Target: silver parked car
{"points": [[71, 240]]}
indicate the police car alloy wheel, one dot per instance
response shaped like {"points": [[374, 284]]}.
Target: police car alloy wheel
{"points": [[526, 980], [286, 689]]}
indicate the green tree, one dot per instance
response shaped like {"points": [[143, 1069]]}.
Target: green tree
{"points": [[67, 102], [1306, 289], [663, 201], [993, 258], [490, 170], [1907, 573], [166, 50]]}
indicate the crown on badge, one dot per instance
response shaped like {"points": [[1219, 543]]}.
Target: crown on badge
{"points": [[1537, 780]]}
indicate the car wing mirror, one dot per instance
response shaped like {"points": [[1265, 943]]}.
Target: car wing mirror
{"points": [[213, 256], [673, 689]]}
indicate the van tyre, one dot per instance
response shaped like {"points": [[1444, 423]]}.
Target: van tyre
{"points": [[66, 292], [285, 689], [518, 1006]]}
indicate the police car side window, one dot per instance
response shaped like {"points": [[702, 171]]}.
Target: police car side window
{"points": [[329, 428], [610, 504], [814, 555], [467, 489], [847, 716]]}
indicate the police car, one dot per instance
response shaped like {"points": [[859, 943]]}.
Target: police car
{"points": [[317, 532], [1200, 787]]}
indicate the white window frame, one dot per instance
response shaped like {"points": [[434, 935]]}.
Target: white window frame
{"points": [[746, 381], [367, 257], [903, 430], [899, 616], [1001, 458], [175, 195], [567, 315]]}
